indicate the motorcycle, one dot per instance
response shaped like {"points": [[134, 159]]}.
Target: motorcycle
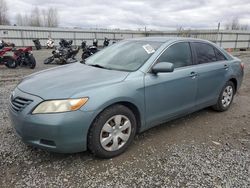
{"points": [[64, 54], [106, 42], [95, 43], [65, 43], [1, 44], [37, 44], [24, 57], [6, 44], [50, 44], [88, 50], [8, 61]]}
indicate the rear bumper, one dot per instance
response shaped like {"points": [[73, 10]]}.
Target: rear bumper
{"points": [[60, 132]]}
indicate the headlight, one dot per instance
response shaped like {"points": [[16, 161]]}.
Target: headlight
{"points": [[55, 106]]}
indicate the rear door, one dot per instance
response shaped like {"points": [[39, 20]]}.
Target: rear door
{"points": [[211, 67]]}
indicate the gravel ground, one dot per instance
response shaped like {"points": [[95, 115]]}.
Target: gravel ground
{"points": [[204, 149]]}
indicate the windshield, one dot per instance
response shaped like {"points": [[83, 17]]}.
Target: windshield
{"points": [[124, 56]]}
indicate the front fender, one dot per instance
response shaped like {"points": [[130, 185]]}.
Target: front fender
{"points": [[130, 90]]}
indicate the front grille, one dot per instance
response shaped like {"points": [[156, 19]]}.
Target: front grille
{"points": [[19, 103]]}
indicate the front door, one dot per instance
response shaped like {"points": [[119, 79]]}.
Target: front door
{"points": [[170, 94]]}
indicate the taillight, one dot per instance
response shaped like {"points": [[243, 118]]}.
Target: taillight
{"points": [[242, 66]]}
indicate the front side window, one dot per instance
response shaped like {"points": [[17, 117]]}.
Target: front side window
{"points": [[179, 54], [204, 53]]}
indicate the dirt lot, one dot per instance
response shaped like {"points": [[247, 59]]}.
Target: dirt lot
{"points": [[204, 149]]}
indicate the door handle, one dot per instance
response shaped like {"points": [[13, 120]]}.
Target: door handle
{"points": [[193, 75], [226, 67]]}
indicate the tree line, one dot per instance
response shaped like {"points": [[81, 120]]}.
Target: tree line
{"points": [[234, 24], [37, 17]]}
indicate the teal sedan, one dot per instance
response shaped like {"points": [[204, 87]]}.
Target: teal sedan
{"points": [[101, 104]]}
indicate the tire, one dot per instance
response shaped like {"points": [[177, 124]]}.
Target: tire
{"points": [[10, 62], [227, 95], [48, 60], [32, 62], [71, 60], [120, 134], [85, 55], [61, 61]]}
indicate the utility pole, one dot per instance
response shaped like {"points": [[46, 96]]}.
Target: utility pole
{"points": [[218, 26], [218, 30]]}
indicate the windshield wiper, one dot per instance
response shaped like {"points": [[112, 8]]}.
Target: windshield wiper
{"points": [[98, 66]]}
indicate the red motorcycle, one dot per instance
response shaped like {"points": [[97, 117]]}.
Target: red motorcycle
{"points": [[24, 57], [7, 60]]}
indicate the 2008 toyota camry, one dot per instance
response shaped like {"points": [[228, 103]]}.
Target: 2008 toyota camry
{"points": [[122, 90]]}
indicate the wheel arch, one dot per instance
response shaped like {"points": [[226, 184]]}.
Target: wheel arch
{"points": [[235, 82], [134, 108], [135, 111]]}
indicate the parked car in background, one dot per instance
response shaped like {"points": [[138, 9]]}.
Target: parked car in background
{"points": [[122, 90]]}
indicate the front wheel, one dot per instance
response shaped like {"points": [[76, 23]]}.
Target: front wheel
{"points": [[49, 60], [226, 97], [112, 132]]}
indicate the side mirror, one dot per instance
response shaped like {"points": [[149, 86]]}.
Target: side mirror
{"points": [[163, 67]]}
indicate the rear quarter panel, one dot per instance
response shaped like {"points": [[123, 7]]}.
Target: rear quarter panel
{"points": [[236, 71]]}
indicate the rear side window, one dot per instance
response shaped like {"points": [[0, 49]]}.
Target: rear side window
{"points": [[204, 52], [219, 55], [179, 54]]}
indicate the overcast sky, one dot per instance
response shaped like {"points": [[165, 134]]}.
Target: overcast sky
{"points": [[134, 14]]}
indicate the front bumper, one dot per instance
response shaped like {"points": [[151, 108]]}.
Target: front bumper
{"points": [[59, 132]]}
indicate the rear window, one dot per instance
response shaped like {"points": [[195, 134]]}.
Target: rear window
{"points": [[219, 55], [204, 53]]}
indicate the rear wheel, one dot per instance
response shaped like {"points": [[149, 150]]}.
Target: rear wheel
{"points": [[226, 97], [32, 62], [10, 62], [85, 55], [112, 132]]}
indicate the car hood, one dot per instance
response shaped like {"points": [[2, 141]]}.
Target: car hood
{"points": [[67, 80]]}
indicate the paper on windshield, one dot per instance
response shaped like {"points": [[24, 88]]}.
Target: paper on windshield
{"points": [[148, 48]]}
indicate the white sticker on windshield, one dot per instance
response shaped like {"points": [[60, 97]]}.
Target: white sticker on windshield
{"points": [[148, 48]]}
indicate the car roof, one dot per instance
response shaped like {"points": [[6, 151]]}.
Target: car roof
{"points": [[167, 39]]}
